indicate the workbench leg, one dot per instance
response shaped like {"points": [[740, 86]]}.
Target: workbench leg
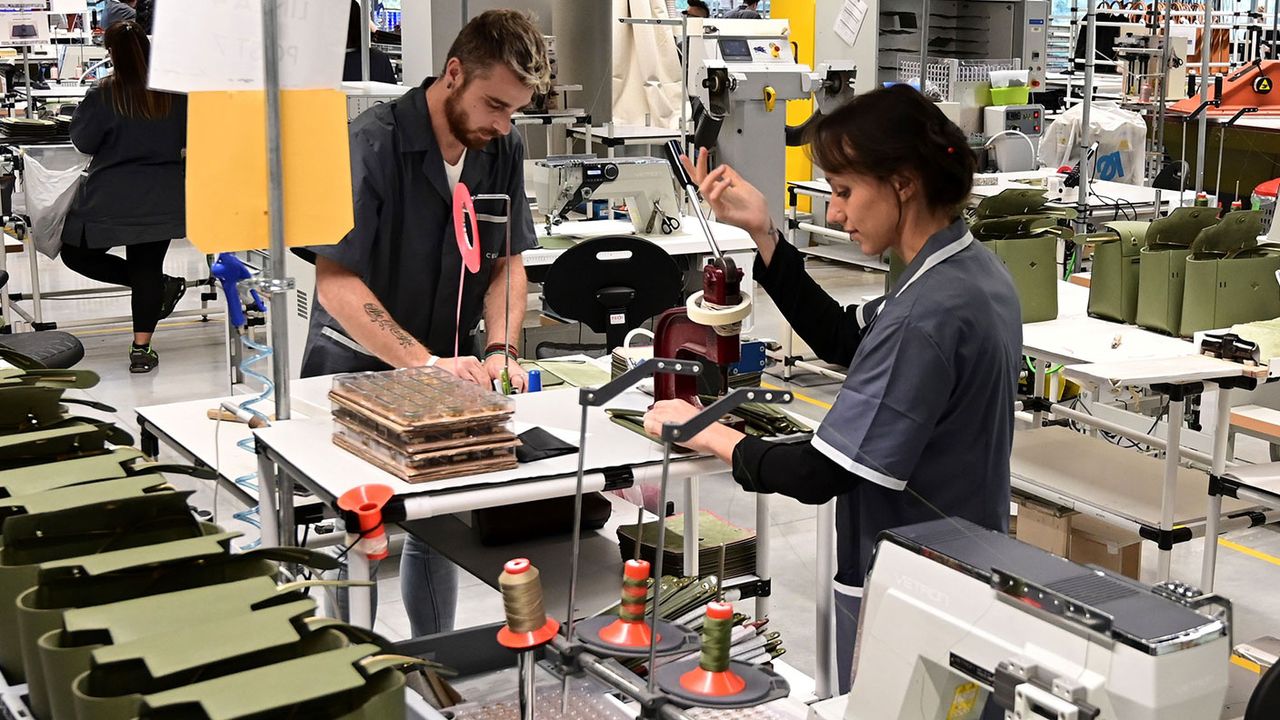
{"points": [[4, 292], [1221, 434], [37, 305], [763, 532], [826, 615], [788, 347], [267, 512], [359, 598], [691, 544], [149, 444], [284, 495], [1172, 459], [1037, 389]]}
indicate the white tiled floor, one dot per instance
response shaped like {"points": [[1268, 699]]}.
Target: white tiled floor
{"points": [[193, 365]]}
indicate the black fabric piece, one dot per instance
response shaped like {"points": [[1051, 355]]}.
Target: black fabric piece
{"points": [[141, 270], [796, 470], [380, 69], [831, 330], [538, 444]]}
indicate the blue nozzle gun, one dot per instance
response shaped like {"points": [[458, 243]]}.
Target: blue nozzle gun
{"points": [[230, 270]]}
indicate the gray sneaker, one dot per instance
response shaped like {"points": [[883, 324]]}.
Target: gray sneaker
{"points": [[142, 359]]}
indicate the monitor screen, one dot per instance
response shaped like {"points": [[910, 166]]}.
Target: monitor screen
{"points": [[735, 50]]}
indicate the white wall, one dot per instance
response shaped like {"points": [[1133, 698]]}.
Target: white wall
{"points": [[830, 46], [431, 25], [415, 32]]}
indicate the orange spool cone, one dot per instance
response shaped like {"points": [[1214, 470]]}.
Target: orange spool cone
{"points": [[366, 502]]}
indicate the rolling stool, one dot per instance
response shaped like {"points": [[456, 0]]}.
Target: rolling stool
{"points": [[611, 284], [43, 349]]}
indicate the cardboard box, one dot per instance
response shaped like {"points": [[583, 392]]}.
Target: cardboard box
{"points": [[1044, 526], [1079, 538], [1094, 542]]}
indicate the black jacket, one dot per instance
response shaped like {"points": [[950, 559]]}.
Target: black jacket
{"points": [[135, 189]]}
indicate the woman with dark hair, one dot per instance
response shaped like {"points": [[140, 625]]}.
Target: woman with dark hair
{"points": [[134, 192], [923, 426], [380, 69]]}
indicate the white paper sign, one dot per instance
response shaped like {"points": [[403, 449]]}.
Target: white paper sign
{"points": [[1190, 32], [19, 29], [69, 6], [24, 4], [212, 45], [849, 23]]}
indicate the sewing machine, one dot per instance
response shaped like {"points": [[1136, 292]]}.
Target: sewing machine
{"points": [[709, 326], [744, 72], [954, 614], [563, 182]]}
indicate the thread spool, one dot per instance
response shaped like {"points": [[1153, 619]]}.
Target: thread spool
{"points": [[713, 676], [527, 622], [630, 629]]}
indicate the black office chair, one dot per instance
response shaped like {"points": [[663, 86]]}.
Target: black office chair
{"points": [[613, 285], [44, 349]]}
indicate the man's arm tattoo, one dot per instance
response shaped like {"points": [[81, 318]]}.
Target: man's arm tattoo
{"points": [[379, 317]]}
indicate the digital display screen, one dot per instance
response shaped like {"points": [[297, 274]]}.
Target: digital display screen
{"points": [[735, 49]]}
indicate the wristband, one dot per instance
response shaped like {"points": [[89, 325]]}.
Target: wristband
{"points": [[431, 361], [501, 349]]}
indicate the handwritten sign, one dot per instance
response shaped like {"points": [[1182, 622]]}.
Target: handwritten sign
{"points": [[213, 45]]}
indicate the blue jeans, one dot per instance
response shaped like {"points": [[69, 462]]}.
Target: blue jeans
{"points": [[428, 586]]}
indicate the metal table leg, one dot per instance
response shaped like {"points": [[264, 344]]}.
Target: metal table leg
{"points": [[37, 305], [1037, 417], [1172, 459], [691, 532], [762, 551], [825, 663], [1221, 433], [359, 599], [268, 515]]}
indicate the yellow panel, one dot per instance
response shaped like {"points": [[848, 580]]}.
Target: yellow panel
{"points": [[227, 169], [802, 16]]}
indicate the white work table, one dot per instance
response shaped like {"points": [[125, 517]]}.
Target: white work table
{"points": [[1102, 198], [688, 240], [614, 136], [1113, 199], [1108, 355], [185, 428], [302, 451]]}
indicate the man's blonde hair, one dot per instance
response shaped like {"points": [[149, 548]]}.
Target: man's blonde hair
{"points": [[504, 37]]}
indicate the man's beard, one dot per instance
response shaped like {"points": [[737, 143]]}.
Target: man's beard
{"points": [[472, 138]]}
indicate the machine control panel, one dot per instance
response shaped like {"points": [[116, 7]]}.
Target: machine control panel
{"points": [[1026, 119], [755, 50]]}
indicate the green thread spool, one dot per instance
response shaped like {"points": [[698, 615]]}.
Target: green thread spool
{"points": [[717, 630]]}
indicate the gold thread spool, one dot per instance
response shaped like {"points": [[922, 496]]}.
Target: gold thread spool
{"points": [[522, 596]]}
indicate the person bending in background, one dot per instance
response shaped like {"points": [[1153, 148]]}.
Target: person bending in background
{"points": [[134, 192], [748, 10], [380, 69], [116, 11], [698, 9]]}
